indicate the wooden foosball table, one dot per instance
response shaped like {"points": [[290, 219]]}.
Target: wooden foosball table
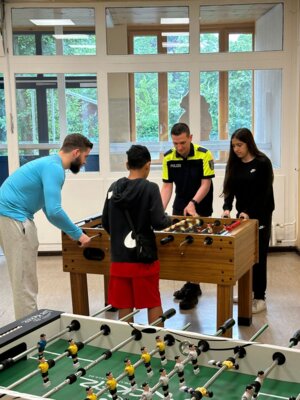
{"points": [[221, 368], [208, 250]]}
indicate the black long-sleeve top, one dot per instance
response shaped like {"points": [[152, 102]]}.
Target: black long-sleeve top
{"points": [[143, 201], [252, 188]]}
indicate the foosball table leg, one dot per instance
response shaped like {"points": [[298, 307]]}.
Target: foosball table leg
{"points": [[245, 299], [224, 306], [79, 291]]}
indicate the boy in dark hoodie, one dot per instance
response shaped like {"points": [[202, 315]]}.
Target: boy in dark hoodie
{"points": [[134, 284]]}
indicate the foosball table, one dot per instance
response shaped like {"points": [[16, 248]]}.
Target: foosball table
{"points": [[218, 251], [180, 364]]}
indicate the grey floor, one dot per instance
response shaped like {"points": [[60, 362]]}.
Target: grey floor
{"points": [[283, 299]]}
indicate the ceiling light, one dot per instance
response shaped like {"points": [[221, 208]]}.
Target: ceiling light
{"points": [[52, 22], [174, 20]]}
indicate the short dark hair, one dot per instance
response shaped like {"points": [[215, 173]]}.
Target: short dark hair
{"points": [[76, 141], [180, 128], [137, 156]]}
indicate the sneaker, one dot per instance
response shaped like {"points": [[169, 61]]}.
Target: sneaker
{"points": [[189, 301], [181, 293], [258, 306]]}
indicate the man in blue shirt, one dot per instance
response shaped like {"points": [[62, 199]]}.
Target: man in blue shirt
{"points": [[34, 186]]}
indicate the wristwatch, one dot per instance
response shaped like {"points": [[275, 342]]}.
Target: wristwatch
{"points": [[194, 201]]}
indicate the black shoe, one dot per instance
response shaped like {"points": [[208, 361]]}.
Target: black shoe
{"points": [[189, 301], [181, 293]]}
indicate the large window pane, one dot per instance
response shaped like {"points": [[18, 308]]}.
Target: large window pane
{"points": [[54, 31], [50, 106], [3, 135], [147, 30], [147, 105], [240, 87], [237, 99], [241, 27]]}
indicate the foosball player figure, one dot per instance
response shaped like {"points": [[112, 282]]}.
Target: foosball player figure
{"points": [[193, 355], [248, 394], [129, 370], [111, 384], [180, 370], [41, 344], [164, 380], [73, 352], [90, 395], [198, 393], [44, 366], [147, 392], [229, 363], [160, 344], [146, 357], [257, 384]]}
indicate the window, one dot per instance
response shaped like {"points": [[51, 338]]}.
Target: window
{"points": [[147, 30], [147, 105], [52, 105], [241, 27], [53, 31], [245, 98]]}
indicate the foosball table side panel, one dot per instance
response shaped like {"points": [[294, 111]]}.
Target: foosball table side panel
{"points": [[246, 247], [258, 356], [80, 260]]}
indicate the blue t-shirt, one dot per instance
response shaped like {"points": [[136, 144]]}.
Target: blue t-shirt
{"points": [[34, 186]]}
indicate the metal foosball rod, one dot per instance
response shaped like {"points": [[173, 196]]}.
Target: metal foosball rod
{"points": [[106, 308], [230, 363], [169, 341], [136, 335], [202, 346], [74, 326], [252, 390], [104, 330]]}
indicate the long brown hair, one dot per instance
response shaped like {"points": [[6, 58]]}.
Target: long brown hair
{"points": [[245, 136]]}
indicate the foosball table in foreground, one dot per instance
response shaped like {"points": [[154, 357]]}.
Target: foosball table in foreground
{"points": [[195, 365], [209, 250]]}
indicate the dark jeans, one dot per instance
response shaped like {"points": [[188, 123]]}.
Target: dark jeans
{"points": [[260, 269]]}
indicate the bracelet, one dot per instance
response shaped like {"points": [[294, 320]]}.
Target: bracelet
{"points": [[194, 201]]}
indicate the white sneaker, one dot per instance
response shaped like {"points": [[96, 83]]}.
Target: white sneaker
{"points": [[258, 306]]}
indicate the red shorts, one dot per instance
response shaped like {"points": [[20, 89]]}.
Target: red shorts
{"points": [[134, 285]]}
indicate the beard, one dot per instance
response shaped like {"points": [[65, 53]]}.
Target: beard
{"points": [[75, 165]]}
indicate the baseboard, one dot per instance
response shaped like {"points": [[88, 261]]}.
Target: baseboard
{"points": [[281, 249]]}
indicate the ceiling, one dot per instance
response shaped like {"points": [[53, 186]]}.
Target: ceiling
{"points": [[144, 15]]}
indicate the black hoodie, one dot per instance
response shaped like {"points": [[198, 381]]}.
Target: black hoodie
{"points": [[143, 201]]}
